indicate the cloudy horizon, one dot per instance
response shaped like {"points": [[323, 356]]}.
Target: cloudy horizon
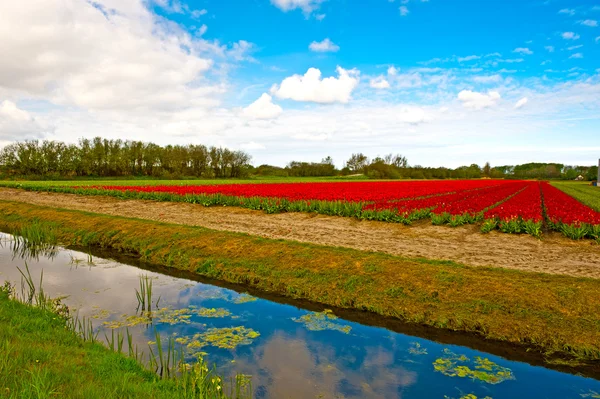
{"points": [[443, 83]]}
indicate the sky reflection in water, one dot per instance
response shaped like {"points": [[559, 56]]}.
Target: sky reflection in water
{"points": [[290, 352]]}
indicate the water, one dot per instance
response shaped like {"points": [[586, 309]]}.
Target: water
{"points": [[290, 352]]}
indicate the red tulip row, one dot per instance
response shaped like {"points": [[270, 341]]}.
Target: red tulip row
{"points": [[511, 206], [373, 192]]}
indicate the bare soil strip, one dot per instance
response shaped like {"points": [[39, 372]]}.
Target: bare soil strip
{"points": [[554, 254]]}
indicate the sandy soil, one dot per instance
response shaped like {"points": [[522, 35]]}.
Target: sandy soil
{"points": [[554, 254]]}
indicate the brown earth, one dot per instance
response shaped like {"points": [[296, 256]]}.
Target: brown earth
{"points": [[554, 254]]}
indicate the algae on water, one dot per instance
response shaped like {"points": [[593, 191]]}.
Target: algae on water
{"points": [[453, 365], [320, 321], [244, 298], [416, 349], [227, 338], [212, 312]]}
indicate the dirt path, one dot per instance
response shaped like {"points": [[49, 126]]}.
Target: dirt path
{"points": [[555, 254]]}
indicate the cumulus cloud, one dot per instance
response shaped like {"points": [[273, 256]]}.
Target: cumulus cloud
{"points": [[263, 108], [474, 100], [324, 46], [523, 50], [311, 87], [106, 55], [521, 103], [404, 11], [306, 6], [379, 82], [17, 124], [570, 36], [576, 55], [589, 22]]}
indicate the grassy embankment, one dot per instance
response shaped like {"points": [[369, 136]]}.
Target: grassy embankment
{"points": [[582, 191], [551, 313], [42, 356]]}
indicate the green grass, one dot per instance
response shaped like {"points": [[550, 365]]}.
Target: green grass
{"points": [[524, 308], [41, 357], [582, 191]]}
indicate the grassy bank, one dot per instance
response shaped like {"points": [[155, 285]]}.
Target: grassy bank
{"points": [[582, 191], [554, 314], [42, 357]]}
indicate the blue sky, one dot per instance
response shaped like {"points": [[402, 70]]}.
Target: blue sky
{"points": [[443, 82]]}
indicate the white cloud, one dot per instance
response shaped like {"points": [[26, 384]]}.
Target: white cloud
{"points": [[111, 55], [568, 11], [306, 6], [575, 47], [488, 79], [198, 13], [570, 36], [17, 124], [392, 71], [468, 58], [324, 46], [474, 100], [523, 50], [320, 17], [589, 22], [412, 115], [598, 39], [521, 103], [379, 82], [404, 11], [550, 49], [311, 87], [241, 50], [263, 108], [576, 55]]}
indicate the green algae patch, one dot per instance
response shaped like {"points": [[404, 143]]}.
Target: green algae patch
{"points": [[244, 298], [482, 369], [469, 396], [226, 338], [416, 349], [212, 312], [321, 321]]}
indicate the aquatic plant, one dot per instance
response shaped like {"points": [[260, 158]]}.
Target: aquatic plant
{"points": [[244, 298], [227, 338], [144, 294], [212, 312], [320, 321], [416, 349], [453, 365]]}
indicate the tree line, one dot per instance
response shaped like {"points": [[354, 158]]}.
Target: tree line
{"points": [[101, 157]]}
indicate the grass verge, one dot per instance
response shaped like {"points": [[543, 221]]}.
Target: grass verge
{"points": [[42, 357], [558, 315]]}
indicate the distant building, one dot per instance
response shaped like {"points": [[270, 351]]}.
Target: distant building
{"points": [[579, 178]]}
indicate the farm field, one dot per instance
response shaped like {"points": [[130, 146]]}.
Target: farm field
{"points": [[582, 191], [508, 206]]}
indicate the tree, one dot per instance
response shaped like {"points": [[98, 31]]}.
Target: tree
{"points": [[487, 169], [357, 162]]}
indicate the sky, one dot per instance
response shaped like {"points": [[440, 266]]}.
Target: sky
{"points": [[442, 82]]}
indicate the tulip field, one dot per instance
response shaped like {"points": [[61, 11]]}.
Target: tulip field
{"points": [[509, 206]]}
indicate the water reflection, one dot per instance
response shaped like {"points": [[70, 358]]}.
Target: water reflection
{"points": [[290, 352]]}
